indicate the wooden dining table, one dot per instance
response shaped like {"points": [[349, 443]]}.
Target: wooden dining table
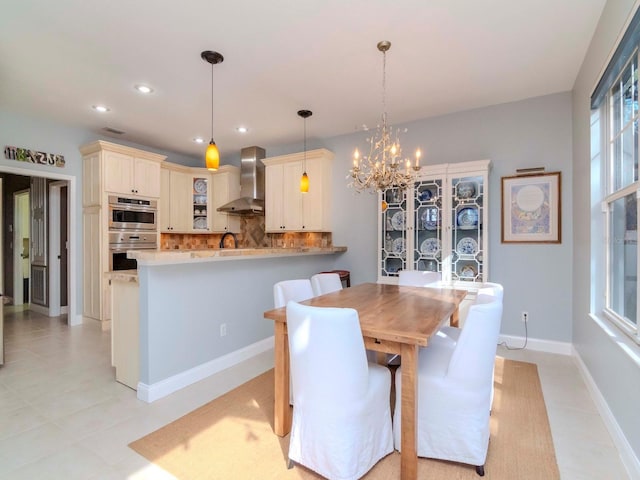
{"points": [[393, 319]]}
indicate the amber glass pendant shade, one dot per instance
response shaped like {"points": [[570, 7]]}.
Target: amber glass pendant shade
{"points": [[304, 183], [212, 157]]}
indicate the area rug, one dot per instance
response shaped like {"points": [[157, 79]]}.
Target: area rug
{"points": [[232, 437]]}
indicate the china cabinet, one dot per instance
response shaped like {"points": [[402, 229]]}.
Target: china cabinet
{"points": [[286, 208], [439, 224]]}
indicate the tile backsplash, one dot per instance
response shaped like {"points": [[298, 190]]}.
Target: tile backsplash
{"points": [[252, 235]]}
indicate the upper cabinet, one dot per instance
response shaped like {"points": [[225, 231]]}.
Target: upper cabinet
{"points": [[225, 186], [190, 196], [440, 224], [286, 208], [119, 169], [175, 198]]}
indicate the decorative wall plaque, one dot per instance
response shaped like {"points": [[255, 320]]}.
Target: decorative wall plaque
{"points": [[32, 156]]}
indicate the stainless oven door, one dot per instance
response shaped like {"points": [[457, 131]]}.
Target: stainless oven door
{"points": [[132, 218]]}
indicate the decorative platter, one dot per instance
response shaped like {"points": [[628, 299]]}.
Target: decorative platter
{"points": [[200, 185], [200, 223], [200, 199], [429, 218], [430, 246], [466, 190], [398, 245], [467, 246], [467, 217], [397, 221], [468, 272], [425, 195]]}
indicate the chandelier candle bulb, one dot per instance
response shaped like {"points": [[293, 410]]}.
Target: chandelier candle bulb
{"points": [[418, 155]]}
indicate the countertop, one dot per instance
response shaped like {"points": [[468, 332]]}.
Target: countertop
{"points": [[167, 257]]}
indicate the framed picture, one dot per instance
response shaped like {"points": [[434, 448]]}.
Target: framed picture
{"points": [[531, 208]]}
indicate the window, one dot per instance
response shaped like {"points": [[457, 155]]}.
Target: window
{"points": [[616, 99]]}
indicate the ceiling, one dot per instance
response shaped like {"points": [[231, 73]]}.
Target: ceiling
{"points": [[58, 59]]}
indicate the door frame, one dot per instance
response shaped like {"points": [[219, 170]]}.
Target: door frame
{"points": [[73, 318], [18, 279], [54, 246]]}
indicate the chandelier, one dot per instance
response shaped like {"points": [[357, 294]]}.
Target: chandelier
{"points": [[384, 167]]}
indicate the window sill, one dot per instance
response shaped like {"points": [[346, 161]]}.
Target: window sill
{"points": [[628, 344]]}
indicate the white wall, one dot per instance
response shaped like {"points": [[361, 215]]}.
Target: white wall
{"points": [[612, 360]]}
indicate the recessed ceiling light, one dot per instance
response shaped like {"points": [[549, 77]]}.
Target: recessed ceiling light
{"points": [[144, 89], [198, 140], [242, 129], [100, 108]]}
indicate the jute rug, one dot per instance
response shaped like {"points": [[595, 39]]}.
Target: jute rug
{"points": [[232, 437]]}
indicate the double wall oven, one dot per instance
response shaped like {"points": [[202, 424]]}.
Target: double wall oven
{"points": [[133, 225]]}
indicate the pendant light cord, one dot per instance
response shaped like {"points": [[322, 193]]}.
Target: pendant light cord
{"points": [[212, 102]]}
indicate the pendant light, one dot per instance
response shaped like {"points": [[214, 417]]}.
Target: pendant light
{"points": [[212, 157], [304, 180]]}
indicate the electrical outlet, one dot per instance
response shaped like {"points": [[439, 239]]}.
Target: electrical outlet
{"points": [[223, 329], [525, 317]]}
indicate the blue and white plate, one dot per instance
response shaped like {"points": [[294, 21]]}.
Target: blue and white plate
{"points": [[467, 246], [466, 189], [429, 218], [425, 195], [468, 272], [468, 217], [397, 221], [398, 246], [430, 246]]}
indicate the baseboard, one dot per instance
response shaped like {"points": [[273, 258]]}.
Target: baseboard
{"points": [[627, 455], [155, 391], [548, 346]]}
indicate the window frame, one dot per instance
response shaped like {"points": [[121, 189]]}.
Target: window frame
{"points": [[611, 194]]}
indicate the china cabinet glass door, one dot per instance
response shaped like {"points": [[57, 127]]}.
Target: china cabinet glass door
{"points": [[467, 214], [426, 251], [393, 232]]}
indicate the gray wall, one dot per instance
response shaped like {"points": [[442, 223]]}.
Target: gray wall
{"points": [[612, 359], [530, 133]]}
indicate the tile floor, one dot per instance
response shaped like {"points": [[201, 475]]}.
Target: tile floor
{"points": [[63, 416]]}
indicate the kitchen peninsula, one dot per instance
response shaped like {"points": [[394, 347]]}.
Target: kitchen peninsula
{"points": [[200, 311]]}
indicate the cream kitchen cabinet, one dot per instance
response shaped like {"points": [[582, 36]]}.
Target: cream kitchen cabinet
{"points": [[175, 199], [225, 187], [109, 168], [131, 174], [286, 208], [439, 224]]}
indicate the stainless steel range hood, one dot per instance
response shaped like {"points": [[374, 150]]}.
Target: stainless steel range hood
{"points": [[251, 201]]}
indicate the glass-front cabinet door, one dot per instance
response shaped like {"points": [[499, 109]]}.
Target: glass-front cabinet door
{"points": [[439, 225], [393, 232], [467, 214]]}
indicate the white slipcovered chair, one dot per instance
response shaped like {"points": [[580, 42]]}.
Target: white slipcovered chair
{"points": [[418, 278], [454, 390], [341, 418], [325, 283], [488, 288], [296, 290]]}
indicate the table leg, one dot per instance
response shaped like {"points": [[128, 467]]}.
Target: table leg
{"points": [[409, 453], [455, 318], [281, 411]]}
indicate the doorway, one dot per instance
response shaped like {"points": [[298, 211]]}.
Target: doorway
{"points": [[68, 277], [21, 243]]}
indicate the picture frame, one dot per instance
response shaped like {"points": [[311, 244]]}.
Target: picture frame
{"points": [[531, 208]]}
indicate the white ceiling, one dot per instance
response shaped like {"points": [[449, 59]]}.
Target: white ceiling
{"points": [[57, 59]]}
